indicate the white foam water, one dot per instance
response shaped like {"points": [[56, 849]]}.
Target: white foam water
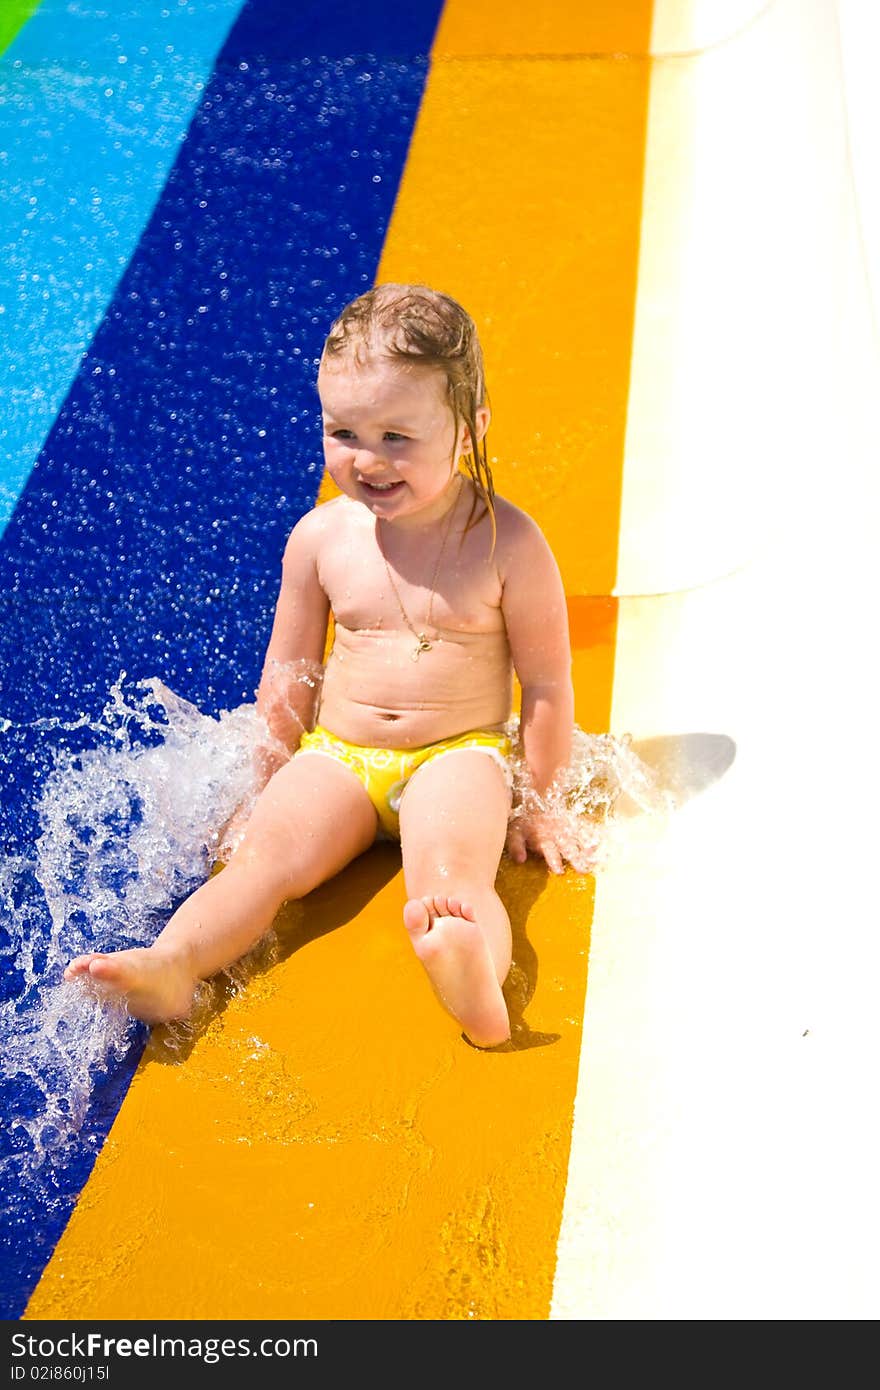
{"points": [[130, 823], [593, 803], [128, 826]]}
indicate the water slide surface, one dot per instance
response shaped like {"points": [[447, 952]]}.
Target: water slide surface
{"points": [[674, 297]]}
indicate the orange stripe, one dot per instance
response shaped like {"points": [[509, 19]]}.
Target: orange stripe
{"points": [[566, 27]]}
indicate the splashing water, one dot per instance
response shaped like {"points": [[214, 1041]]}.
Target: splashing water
{"points": [[130, 815], [604, 775], [133, 813]]}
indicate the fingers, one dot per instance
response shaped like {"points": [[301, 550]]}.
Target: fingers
{"points": [[519, 844], [553, 856], [516, 845], [583, 856], [580, 861], [567, 847], [555, 845]]}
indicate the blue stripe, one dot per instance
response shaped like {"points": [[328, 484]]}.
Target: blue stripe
{"points": [[94, 101], [150, 532]]}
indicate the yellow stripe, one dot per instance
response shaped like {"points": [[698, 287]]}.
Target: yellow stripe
{"points": [[329, 1147]]}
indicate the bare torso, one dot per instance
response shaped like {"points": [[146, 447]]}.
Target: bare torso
{"points": [[374, 692]]}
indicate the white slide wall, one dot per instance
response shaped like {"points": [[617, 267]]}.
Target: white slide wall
{"points": [[725, 1147]]}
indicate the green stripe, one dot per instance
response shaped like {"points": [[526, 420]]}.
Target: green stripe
{"points": [[15, 13]]}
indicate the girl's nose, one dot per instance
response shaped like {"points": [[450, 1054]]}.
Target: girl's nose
{"points": [[368, 461]]}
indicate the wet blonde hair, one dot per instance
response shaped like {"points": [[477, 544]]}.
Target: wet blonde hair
{"points": [[418, 325]]}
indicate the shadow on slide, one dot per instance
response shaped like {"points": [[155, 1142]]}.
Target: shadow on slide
{"points": [[687, 764], [336, 904]]}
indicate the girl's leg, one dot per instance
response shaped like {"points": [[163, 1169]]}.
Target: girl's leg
{"points": [[311, 820], [453, 824]]}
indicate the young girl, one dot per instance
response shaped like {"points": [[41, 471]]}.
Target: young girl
{"points": [[439, 591]]}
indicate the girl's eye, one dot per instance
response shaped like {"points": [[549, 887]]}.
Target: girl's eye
{"points": [[342, 434], [394, 436]]}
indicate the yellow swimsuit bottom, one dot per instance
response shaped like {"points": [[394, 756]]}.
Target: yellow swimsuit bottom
{"points": [[385, 772]]}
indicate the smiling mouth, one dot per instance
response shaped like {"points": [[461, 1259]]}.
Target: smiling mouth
{"points": [[379, 487]]}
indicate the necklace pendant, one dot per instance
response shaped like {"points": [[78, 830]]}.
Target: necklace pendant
{"points": [[424, 646]]}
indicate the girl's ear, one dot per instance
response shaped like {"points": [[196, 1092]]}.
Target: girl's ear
{"points": [[482, 422]]}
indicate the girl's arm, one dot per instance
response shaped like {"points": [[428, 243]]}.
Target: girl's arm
{"points": [[290, 683], [536, 617]]}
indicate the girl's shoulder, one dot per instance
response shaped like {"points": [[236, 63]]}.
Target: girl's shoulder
{"points": [[326, 520], [516, 531], [509, 515]]}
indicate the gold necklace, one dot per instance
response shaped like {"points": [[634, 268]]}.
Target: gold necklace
{"points": [[423, 644]]}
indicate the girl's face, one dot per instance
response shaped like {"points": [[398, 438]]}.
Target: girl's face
{"points": [[389, 436]]}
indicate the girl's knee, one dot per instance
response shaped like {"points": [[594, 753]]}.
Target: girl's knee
{"points": [[448, 869], [272, 869]]}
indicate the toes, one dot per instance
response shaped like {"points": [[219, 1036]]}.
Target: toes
{"points": [[80, 966], [416, 916], [102, 968], [458, 908], [420, 913]]}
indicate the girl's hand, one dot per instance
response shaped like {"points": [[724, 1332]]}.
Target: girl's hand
{"points": [[556, 838]]}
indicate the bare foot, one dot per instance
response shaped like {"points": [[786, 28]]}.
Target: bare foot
{"points": [[449, 943], [154, 985]]}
